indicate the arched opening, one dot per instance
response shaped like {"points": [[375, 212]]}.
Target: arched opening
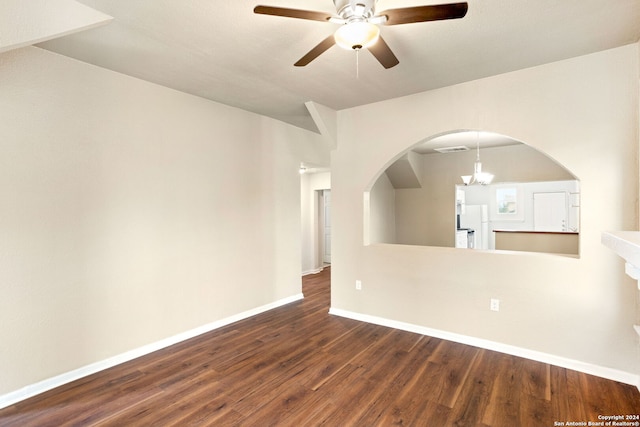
{"points": [[532, 204]]}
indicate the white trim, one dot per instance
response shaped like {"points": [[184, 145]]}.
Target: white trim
{"points": [[314, 271], [576, 365], [53, 382]]}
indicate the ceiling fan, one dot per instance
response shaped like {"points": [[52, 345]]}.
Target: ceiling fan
{"points": [[359, 25]]}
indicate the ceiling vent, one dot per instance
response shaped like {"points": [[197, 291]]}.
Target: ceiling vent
{"points": [[455, 149]]}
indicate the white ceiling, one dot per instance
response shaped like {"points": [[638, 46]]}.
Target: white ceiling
{"points": [[23, 23], [221, 50]]}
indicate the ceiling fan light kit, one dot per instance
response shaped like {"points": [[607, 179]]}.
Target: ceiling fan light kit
{"points": [[357, 35], [359, 25]]}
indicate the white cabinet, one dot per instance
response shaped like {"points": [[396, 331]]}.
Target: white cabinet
{"points": [[462, 239]]}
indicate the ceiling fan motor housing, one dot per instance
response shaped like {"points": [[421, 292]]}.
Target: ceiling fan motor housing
{"points": [[355, 10]]}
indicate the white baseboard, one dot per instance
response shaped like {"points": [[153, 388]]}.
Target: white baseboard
{"points": [[50, 383], [576, 365], [314, 271]]}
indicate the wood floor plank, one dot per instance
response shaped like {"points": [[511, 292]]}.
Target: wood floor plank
{"points": [[313, 411], [450, 364], [350, 391], [536, 411], [566, 395], [504, 402], [175, 403], [299, 366], [473, 400], [388, 389], [535, 379], [408, 405]]}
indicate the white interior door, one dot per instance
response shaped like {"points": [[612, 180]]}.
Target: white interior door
{"points": [[550, 211], [326, 256]]}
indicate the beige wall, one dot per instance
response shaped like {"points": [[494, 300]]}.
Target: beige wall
{"points": [[583, 112], [131, 213], [382, 212]]}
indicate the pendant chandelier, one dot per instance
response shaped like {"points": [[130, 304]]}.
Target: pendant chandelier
{"points": [[478, 177]]}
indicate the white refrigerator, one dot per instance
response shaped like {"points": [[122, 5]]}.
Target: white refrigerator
{"points": [[476, 217]]}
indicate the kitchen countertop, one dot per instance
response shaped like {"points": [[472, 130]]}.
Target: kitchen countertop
{"points": [[534, 231]]}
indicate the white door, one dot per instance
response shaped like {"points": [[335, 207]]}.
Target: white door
{"points": [[326, 257], [550, 211]]}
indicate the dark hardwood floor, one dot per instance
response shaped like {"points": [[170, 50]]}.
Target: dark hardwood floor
{"points": [[299, 366]]}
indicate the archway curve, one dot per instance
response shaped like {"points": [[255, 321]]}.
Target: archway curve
{"points": [[435, 140], [516, 162]]}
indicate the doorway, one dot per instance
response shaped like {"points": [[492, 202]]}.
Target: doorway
{"points": [[325, 225], [316, 200], [550, 211]]}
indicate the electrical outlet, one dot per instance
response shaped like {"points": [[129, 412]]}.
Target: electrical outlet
{"points": [[359, 285], [495, 304]]}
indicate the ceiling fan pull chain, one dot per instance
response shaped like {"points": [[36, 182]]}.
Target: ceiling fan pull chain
{"points": [[357, 63]]}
